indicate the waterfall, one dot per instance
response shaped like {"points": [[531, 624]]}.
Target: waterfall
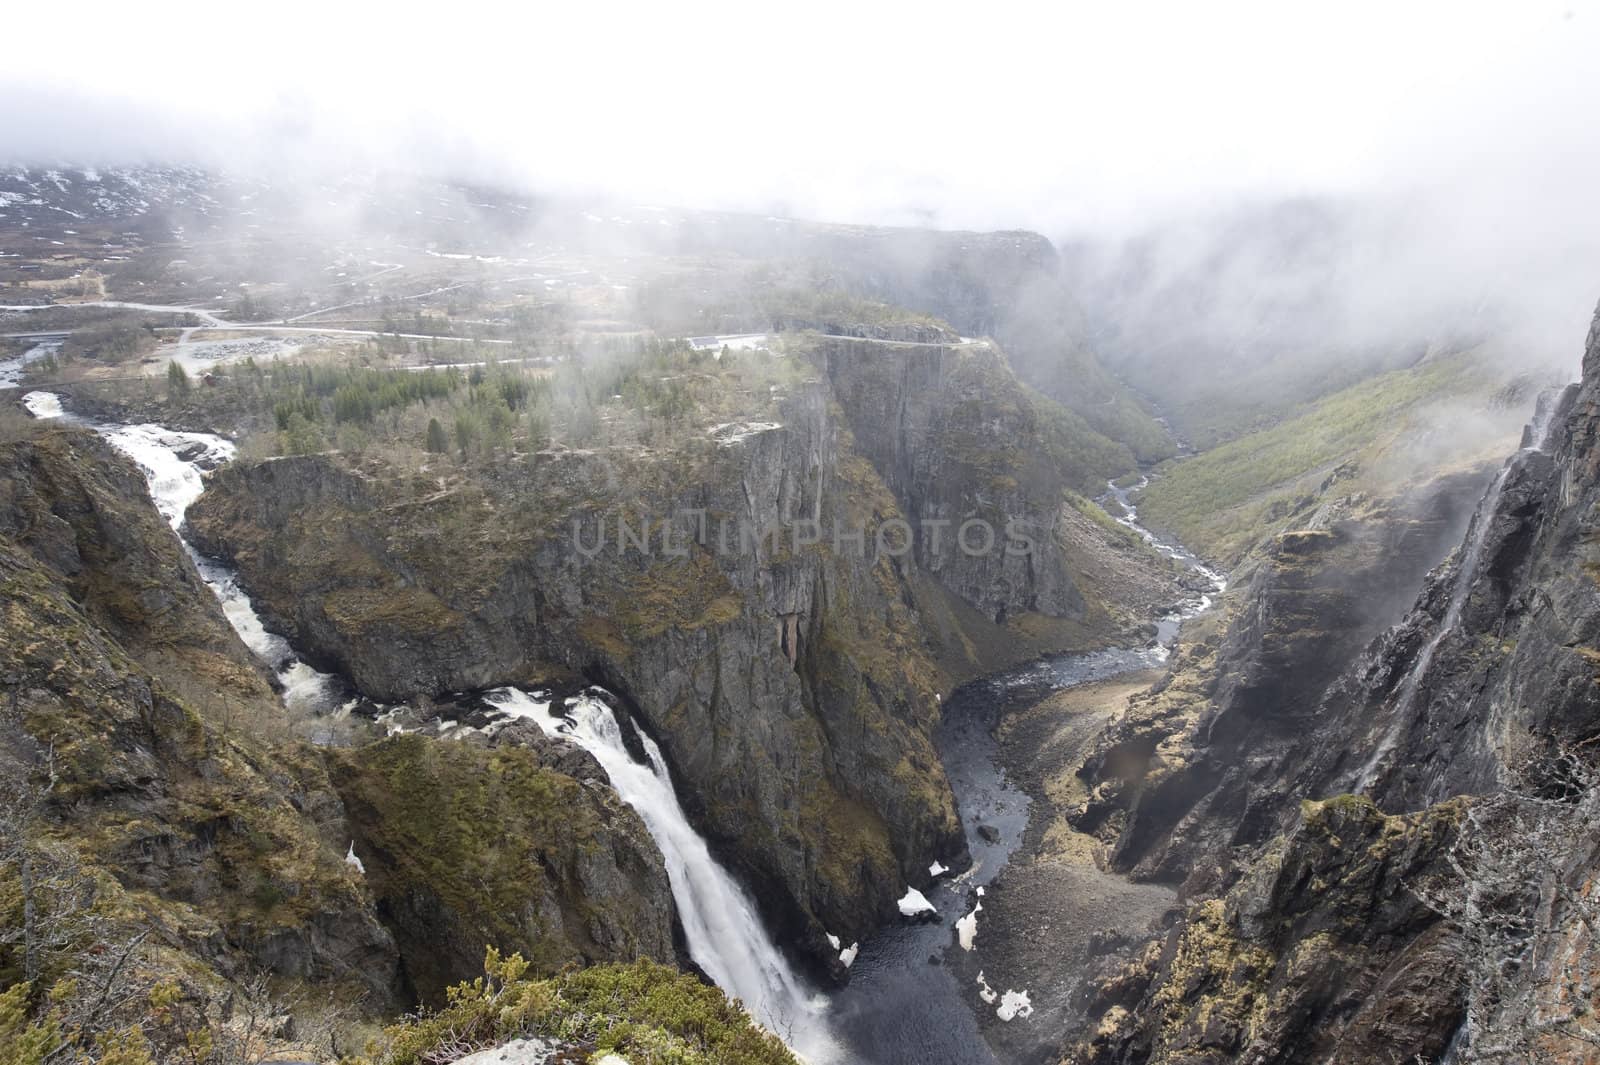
{"points": [[725, 934], [171, 462], [1460, 590]]}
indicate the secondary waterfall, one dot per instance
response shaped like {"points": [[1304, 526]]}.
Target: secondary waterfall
{"points": [[1460, 589], [172, 463], [725, 934]]}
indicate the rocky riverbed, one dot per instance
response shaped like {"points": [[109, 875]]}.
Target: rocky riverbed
{"points": [[1053, 904]]}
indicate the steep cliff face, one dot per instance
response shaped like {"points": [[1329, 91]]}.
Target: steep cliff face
{"points": [[142, 743], [1467, 729], [1218, 754], [1497, 661], [786, 681], [958, 440], [130, 739]]}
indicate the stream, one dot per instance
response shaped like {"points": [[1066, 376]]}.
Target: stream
{"points": [[903, 1005], [174, 465]]}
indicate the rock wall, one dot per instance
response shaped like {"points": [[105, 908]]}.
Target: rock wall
{"points": [[1449, 904], [155, 749], [787, 683], [957, 439], [1219, 753]]}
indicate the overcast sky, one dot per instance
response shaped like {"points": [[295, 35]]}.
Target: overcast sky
{"points": [[1044, 115]]}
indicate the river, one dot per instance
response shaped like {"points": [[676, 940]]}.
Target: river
{"points": [[903, 1005]]}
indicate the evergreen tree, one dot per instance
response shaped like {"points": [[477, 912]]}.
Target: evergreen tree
{"points": [[438, 442], [177, 380]]}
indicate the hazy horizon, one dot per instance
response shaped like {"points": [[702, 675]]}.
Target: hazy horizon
{"points": [[1449, 138]]}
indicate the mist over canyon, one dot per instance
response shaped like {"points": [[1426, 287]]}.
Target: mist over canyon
{"points": [[574, 539]]}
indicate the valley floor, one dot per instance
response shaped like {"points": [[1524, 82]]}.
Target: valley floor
{"points": [[1053, 901]]}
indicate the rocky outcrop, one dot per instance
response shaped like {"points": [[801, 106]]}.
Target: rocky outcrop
{"points": [[1322, 952], [465, 846], [140, 738], [786, 681], [1474, 714], [130, 736]]}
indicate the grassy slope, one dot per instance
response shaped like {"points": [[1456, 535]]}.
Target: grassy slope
{"points": [[1221, 501], [648, 1014], [1211, 403]]}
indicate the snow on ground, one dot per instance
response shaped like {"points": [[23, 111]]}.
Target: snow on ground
{"points": [[731, 341], [914, 903], [198, 356], [938, 869], [967, 927], [1014, 1004], [516, 1052], [735, 432], [848, 954]]}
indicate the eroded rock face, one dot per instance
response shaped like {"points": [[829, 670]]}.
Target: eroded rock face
{"points": [[1220, 752], [466, 846], [788, 686], [172, 774], [1320, 952], [119, 663], [958, 441], [1463, 727]]}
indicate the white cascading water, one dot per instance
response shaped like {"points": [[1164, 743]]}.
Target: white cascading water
{"points": [[725, 934], [1460, 590], [1167, 626], [176, 482], [11, 369]]}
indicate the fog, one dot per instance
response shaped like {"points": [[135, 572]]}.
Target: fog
{"points": [[1446, 150]]}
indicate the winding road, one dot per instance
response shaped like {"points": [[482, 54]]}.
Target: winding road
{"points": [[210, 321]]}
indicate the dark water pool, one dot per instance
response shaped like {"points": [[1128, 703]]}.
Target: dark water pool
{"points": [[901, 1008]]}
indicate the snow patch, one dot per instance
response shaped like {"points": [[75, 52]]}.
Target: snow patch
{"points": [[1014, 1004], [734, 432], [937, 869], [731, 341], [914, 903], [516, 1052], [967, 927]]}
